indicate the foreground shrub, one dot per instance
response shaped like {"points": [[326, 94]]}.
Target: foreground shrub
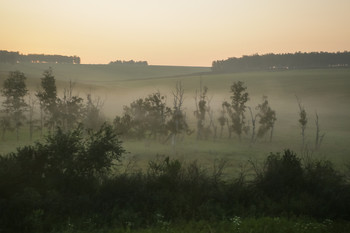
{"points": [[68, 183]]}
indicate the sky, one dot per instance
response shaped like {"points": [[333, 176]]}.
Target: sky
{"points": [[173, 32]]}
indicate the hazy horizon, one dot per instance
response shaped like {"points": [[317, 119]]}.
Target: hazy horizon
{"points": [[183, 33]]}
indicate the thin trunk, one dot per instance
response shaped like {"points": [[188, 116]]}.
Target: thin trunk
{"points": [[271, 133], [252, 140], [41, 120], [17, 132], [3, 134], [215, 133], [30, 125], [229, 129], [303, 137]]}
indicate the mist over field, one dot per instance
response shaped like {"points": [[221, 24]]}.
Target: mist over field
{"points": [[321, 91], [174, 116], [204, 146]]}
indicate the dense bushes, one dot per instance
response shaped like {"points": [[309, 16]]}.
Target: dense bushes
{"points": [[69, 182]]}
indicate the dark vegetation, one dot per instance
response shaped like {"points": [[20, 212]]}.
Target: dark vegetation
{"points": [[71, 179], [283, 61], [76, 177], [16, 57], [65, 112], [131, 62]]}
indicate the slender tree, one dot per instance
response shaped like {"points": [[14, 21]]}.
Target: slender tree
{"points": [[253, 119], [267, 118], [93, 118], [70, 109], [212, 127], [47, 96], [14, 90], [177, 124], [5, 124], [302, 121], [31, 120], [236, 109], [201, 102], [222, 120], [319, 138]]}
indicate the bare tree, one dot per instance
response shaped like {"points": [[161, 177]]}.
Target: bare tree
{"points": [[319, 138], [302, 120], [31, 121], [93, 118], [5, 124], [177, 123], [222, 120], [253, 120], [201, 110], [211, 119], [70, 108]]}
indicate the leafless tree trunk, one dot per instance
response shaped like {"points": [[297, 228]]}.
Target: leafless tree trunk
{"points": [[319, 138], [302, 121], [271, 133], [211, 119], [253, 119], [31, 106], [178, 95]]}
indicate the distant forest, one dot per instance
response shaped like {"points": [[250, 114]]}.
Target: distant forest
{"points": [[283, 61], [16, 57], [131, 62]]}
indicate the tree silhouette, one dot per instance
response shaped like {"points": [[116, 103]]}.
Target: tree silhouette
{"points": [[302, 121], [237, 108], [14, 90], [201, 110], [267, 118], [48, 99]]}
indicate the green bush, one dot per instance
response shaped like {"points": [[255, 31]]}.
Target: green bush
{"points": [[67, 183]]}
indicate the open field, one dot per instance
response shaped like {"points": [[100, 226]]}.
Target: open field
{"points": [[324, 90]]}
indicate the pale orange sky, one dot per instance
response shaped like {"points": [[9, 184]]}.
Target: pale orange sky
{"points": [[173, 32]]}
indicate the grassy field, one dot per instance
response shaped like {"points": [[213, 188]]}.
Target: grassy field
{"points": [[325, 91]]}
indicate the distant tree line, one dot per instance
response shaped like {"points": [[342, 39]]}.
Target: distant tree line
{"points": [[131, 62], [272, 61], [16, 57]]}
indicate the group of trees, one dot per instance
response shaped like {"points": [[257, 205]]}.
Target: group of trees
{"points": [[283, 61], [236, 111], [303, 121], [131, 62], [151, 117], [16, 57], [66, 111], [145, 118]]}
